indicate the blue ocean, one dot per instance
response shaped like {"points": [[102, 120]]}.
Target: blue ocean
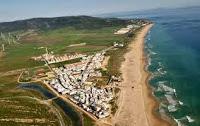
{"points": [[173, 49]]}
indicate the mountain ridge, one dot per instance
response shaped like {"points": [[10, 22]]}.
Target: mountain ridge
{"points": [[79, 22]]}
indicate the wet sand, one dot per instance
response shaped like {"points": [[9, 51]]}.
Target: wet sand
{"points": [[136, 103]]}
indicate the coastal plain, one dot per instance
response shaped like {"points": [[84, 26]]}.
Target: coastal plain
{"points": [[17, 58], [17, 66]]}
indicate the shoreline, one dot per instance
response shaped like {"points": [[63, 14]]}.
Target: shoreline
{"points": [[150, 101], [136, 102]]}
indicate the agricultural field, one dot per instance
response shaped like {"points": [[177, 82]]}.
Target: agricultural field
{"points": [[18, 56], [18, 107]]}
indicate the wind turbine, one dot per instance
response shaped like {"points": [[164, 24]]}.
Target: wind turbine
{"points": [[3, 47]]}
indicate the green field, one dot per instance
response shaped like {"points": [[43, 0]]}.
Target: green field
{"points": [[18, 56]]}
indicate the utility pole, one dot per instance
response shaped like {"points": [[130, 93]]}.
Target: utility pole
{"points": [[14, 41], [9, 41], [1, 35], [47, 50]]}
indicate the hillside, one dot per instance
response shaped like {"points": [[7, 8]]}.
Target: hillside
{"points": [[78, 22]]}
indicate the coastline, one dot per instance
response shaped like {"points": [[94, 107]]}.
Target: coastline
{"points": [[151, 104], [136, 102]]}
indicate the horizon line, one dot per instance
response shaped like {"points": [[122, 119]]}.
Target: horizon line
{"points": [[100, 14]]}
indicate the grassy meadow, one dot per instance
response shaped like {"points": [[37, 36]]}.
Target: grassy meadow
{"points": [[17, 56]]}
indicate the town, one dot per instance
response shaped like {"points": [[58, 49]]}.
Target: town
{"points": [[73, 80]]}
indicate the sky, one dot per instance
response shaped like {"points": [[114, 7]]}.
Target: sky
{"points": [[11, 10]]}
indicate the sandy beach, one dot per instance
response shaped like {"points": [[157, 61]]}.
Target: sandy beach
{"points": [[136, 103]]}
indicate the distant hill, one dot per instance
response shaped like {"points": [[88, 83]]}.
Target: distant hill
{"points": [[78, 22]]}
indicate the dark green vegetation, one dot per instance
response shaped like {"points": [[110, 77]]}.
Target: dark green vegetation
{"points": [[70, 111], [57, 34], [78, 22], [113, 102], [116, 58], [87, 121]]}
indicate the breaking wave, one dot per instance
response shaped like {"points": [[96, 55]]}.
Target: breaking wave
{"points": [[170, 105]]}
